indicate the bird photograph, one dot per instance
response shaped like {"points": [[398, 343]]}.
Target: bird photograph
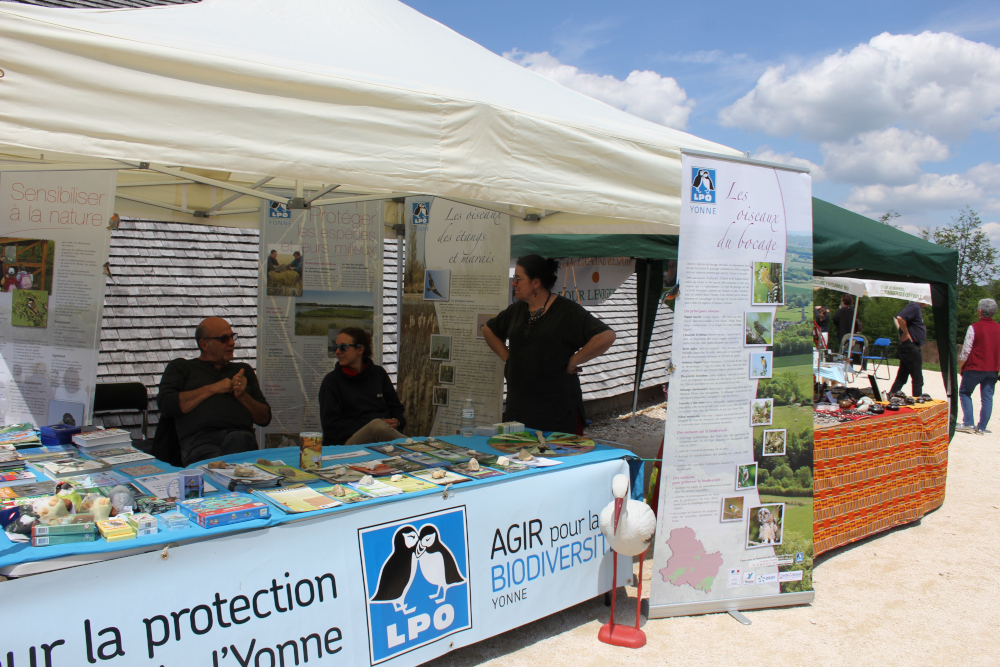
{"points": [[759, 327], [436, 285], [732, 509]]}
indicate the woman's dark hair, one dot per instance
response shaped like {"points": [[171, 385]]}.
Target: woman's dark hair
{"points": [[360, 337], [538, 267]]}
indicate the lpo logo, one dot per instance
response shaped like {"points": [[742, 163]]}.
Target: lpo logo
{"points": [[416, 573], [421, 212], [702, 185], [278, 210]]}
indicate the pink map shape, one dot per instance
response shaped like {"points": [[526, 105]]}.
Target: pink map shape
{"points": [[688, 563]]}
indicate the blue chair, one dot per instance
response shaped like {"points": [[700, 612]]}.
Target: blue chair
{"points": [[880, 350], [853, 352]]}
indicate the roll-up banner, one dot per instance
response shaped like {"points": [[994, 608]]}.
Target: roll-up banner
{"points": [[455, 280], [54, 236], [734, 529], [320, 272]]}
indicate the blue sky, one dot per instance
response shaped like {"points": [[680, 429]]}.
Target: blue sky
{"points": [[894, 105]]}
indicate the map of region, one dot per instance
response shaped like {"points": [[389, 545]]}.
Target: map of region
{"points": [[689, 563]]}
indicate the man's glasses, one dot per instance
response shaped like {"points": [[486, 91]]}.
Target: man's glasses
{"points": [[224, 339], [343, 346]]}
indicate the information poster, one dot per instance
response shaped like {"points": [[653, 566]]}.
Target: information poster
{"points": [[734, 529], [320, 272], [456, 278], [54, 236]]}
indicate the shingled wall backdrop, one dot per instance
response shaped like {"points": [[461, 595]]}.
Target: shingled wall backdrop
{"points": [[167, 277]]}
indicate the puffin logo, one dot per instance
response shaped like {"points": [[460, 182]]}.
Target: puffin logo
{"points": [[278, 210], [421, 212], [702, 185], [416, 573]]}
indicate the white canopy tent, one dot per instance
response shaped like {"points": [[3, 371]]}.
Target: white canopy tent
{"points": [[919, 292], [199, 102]]}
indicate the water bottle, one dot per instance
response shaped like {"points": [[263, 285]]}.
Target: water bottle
{"points": [[468, 418]]}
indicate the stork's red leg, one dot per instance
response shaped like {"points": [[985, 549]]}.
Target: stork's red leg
{"points": [[638, 595], [614, 586]]}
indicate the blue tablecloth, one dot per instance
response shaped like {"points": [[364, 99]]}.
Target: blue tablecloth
{"points": [[15, 553]]}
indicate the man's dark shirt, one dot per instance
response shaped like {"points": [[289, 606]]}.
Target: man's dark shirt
{"points": [[914, 319]]}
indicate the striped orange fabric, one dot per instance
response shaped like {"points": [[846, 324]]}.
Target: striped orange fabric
{"points": [[878, 473]]}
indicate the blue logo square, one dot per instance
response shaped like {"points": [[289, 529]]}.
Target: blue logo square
{"points": [[278, 210], [421, 212], [702, 185], [416, 575]]}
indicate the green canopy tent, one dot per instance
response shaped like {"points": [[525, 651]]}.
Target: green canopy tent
{"points": [[851, 245], [844, 244]]}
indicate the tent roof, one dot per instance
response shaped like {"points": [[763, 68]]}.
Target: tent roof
{"points": [[846, 243], [368, 94]]}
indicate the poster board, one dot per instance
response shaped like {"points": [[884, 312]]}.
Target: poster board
{"points": [[455, 279], [54, 237], [320, 272], [734, 530]]}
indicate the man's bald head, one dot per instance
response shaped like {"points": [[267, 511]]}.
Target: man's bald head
{"points": [[208, 335]]}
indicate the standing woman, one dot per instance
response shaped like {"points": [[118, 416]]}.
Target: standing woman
{"points": [[544, 338], [357, 403]]}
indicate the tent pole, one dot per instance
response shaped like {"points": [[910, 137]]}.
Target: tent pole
{"points": [[643, 308]]}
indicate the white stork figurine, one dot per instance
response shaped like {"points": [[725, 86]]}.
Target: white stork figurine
{"points": [[629, 526]]}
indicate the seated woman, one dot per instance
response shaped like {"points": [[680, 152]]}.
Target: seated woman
{"points": [[357, 403]]}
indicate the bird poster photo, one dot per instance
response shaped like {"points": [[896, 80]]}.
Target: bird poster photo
{"points": [[766, 525], [759, 327], [30, 308], [732, 509], [761, 364], [768, 284], [437, 284]]}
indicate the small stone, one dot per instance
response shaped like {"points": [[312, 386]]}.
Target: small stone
{"points": [[264, 462], [503, 461], [524, 455], [396, 478], [367, 480], [437, 474], [473, 465], [339, 491], [243, 471], [389, 448], [215, 465]]}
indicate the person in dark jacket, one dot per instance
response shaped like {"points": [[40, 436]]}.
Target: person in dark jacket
{"points": [[357, 403]]}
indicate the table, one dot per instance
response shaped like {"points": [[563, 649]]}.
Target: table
{"points": [[878, 473], [492, 556]]}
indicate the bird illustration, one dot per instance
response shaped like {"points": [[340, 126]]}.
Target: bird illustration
{"points": [[114, 221], [763, 364], [703, 181], [107, 270], [437, 563], [431, 287], [744, 476], [629, 527], [397, 572]]}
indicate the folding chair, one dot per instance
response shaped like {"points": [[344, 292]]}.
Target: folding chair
{"points": [[849, 348], [881, 346], [118, 397]]}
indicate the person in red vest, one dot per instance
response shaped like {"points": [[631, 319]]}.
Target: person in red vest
{"points": [[980, 360]]}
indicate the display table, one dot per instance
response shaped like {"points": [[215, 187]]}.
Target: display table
{"points": [[397, 580], [878, 473]]}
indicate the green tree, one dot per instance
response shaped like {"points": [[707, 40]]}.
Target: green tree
{"points": [[887, 217], [977, 258]]}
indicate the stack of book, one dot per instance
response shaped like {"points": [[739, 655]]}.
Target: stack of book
{"points": [[73, 528], [20, 435], [118, 456], [104, 437], [10, 459], [142, 523], [115, 529], [223, 509]]}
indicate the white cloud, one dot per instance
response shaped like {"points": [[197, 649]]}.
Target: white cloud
{"points": [[891, 157], [939, 82], [947, 192], [643, 93], [765, 154]]}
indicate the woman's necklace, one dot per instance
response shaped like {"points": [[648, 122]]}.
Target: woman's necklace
{"points": [[534, 315]]}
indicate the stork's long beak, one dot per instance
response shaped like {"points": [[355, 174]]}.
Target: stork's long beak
{"points": [[618, 511]]}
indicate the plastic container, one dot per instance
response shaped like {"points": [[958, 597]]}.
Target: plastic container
{"points": [[468, 418]]}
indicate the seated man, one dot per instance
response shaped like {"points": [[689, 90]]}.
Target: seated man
{"points": [[213, 401]]}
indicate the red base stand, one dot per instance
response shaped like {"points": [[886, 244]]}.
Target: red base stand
{"points": [[623, 635]]}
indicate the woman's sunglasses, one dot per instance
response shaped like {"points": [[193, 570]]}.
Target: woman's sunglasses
{"points": [[343, 346]]}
